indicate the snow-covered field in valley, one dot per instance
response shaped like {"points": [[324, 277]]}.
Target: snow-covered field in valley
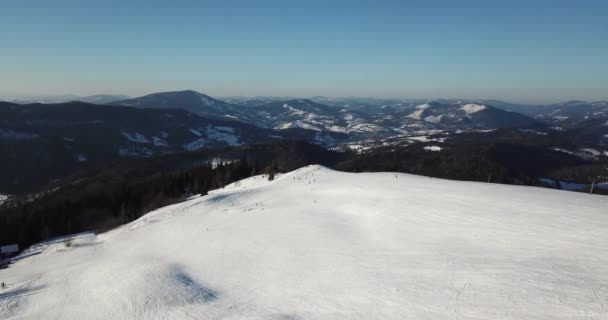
{"points": [[321, 244]]}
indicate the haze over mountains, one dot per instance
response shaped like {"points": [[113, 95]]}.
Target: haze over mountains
{"points": [[98, 98], [222, 106]]}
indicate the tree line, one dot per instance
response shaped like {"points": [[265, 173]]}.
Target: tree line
{"points": [[110, 198], [107, 197]]}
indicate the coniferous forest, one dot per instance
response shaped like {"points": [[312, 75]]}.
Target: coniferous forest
{"points": [[101, 199]]}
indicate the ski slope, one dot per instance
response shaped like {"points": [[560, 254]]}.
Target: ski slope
{"points": [[321, 244]]}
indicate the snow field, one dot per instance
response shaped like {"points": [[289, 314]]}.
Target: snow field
{"points": [[316, 243]]}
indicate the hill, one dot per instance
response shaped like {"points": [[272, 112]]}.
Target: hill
{"points": [[190, 100], [317, 243]]}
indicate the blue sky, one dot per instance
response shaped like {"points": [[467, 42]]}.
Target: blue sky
{"points": [[524, 51]]}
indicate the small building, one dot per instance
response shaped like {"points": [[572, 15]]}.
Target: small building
{"points": [[9, 250]]}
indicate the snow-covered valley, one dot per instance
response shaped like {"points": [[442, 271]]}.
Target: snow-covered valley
{"points": [[319, 244]]}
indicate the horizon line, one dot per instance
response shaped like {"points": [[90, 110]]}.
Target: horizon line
{"points": [[17, 97]]}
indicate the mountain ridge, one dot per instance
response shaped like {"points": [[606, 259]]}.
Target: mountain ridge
{"points": [[311, 114]]}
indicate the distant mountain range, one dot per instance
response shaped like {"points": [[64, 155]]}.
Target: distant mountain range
{"points": [[237, 107], [362, 116], [354, 119], [567, 112], [42, 142], [99, 99]]}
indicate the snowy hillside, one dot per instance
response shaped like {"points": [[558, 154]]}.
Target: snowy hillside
{"points": [[321, 244]]}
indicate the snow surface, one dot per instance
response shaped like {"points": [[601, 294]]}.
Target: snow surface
{"points": [[420, 138], [158, 142], [434, 119], [195, 132], [207, 100], [472, 108], [321, 244], [299, 124], [583, 153], [136, 137], [591, 151], [432, 148], [225, 129], [222, 134], [540, 133], [195, 145], [419, 110], [416, 114], [219, 134], [294, 110]]}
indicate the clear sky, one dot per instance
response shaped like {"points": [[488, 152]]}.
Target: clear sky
{"points": [[524, 51]]}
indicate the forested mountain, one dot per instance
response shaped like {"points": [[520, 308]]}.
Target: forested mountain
{"points": [[42, 142]]}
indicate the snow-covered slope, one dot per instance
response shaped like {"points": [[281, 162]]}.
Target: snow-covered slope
{"points": [[320, 244]]}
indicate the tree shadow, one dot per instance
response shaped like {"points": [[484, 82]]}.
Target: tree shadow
{"points": [[20, 293], [220, 197], [25, 255]]}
